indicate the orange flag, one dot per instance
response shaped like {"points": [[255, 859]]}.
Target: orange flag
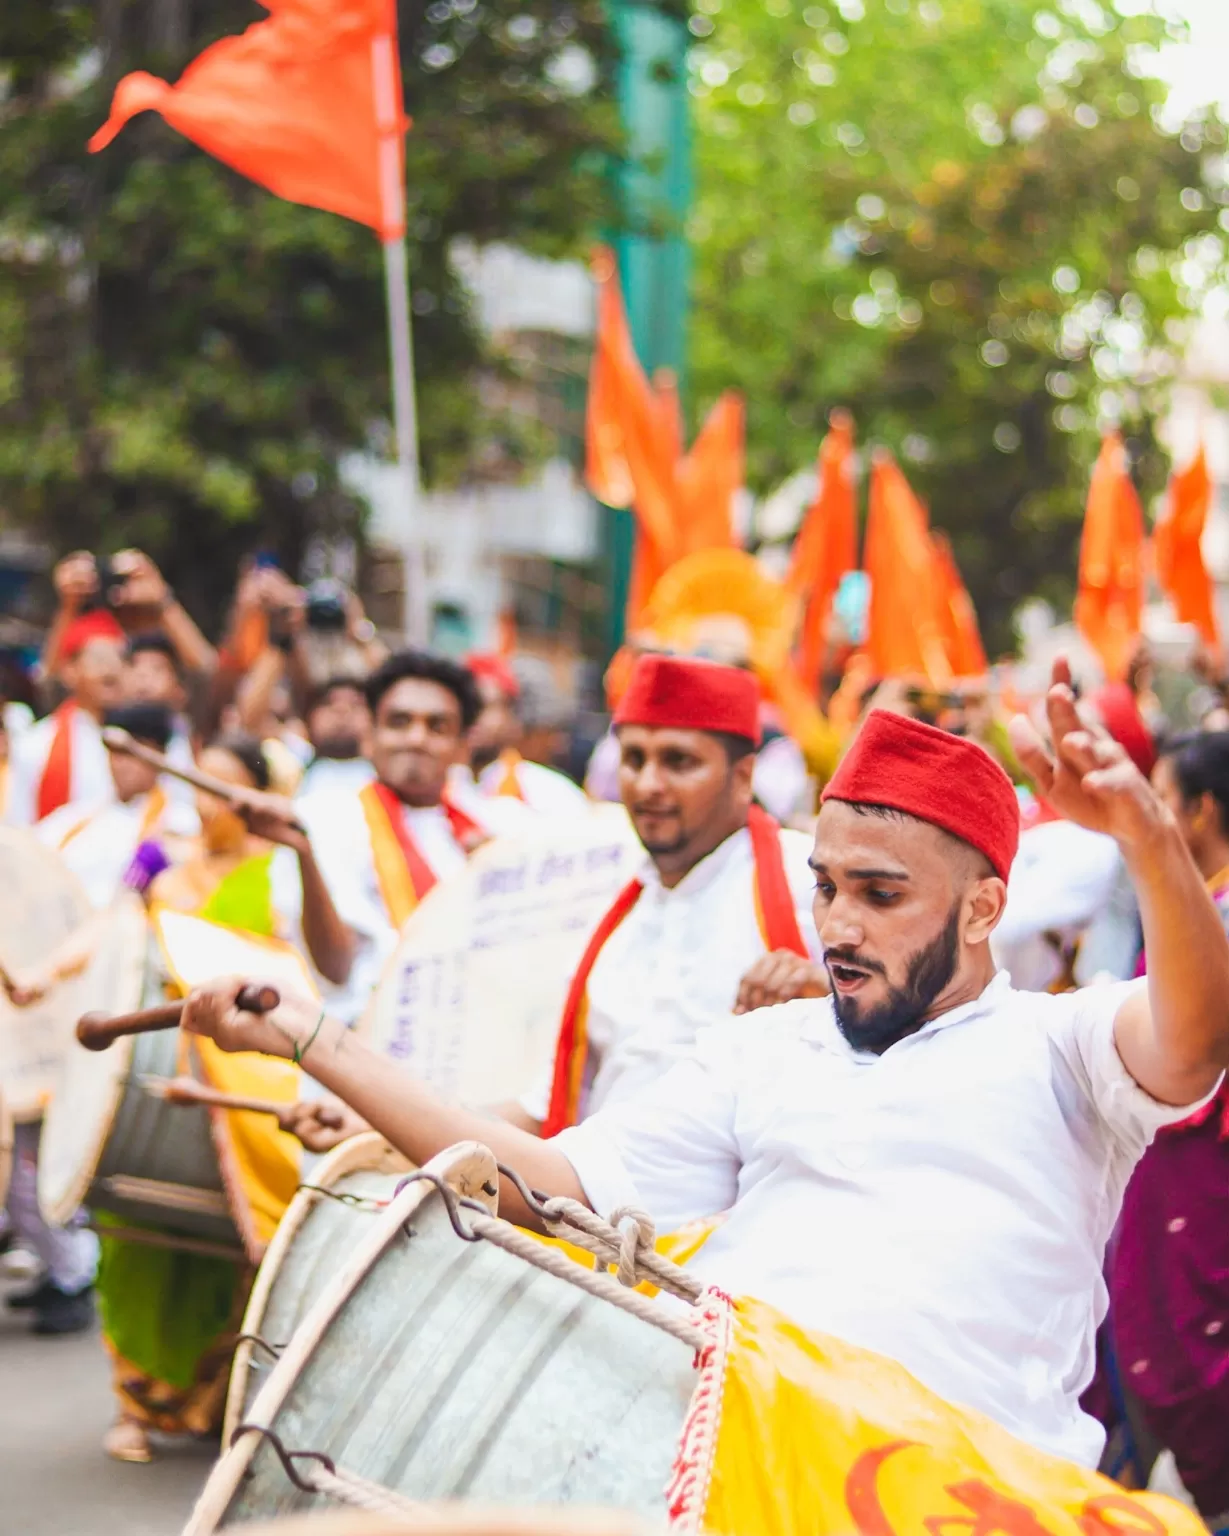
{"points": [[1110, 597], [666, 390], [826, 546], [1179, 558], [957, 616], [710, 476], [629, 458], [307, 104], [905, 635]]}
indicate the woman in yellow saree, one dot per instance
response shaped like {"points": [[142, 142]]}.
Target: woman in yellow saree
{"points": [[169, 1317]]}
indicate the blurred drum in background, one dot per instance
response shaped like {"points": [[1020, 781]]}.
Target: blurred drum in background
{"points": [[472, 997], [184, 1174], [41, 904]]}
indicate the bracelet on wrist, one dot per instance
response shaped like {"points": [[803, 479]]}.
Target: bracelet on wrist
{"points": [[311, 1040]]}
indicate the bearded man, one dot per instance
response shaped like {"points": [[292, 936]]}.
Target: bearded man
{"points": [[926, 1164]]}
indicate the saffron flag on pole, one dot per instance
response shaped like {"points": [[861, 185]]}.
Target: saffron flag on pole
{"points": [[307, 103], [957, 615], [904, 634], [1176, 545], [709, 477], [1110, 598], [826, 546]]}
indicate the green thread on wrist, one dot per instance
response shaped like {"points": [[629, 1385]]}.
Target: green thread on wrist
{"points": [[311, 1040]]}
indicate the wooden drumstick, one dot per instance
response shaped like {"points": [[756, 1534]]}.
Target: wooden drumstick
{"points": [[117, 740], [96, 1031], [189, 1090]]}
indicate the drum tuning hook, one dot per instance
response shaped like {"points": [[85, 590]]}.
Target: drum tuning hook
{"points": [[452, 1203], [287, 1458], [255, 1341], [533, 1198]]}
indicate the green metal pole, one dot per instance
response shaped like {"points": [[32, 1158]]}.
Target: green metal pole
{"points": [[654, 192]]}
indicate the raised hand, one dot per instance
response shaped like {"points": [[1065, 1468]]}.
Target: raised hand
{"points": [[213, 1011], [321, 1124], [779, 977], [1087, 778], [273, 817]]}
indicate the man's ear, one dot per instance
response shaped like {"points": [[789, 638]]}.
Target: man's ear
{"points": [[986, 900], [741, 774]]}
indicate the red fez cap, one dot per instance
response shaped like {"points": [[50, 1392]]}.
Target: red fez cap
{"points": [[927, 773], [99, 625], [691, 695], [490, 668]]}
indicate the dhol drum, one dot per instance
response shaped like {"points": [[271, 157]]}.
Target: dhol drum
{"points": [[428, 1367], [173, 1170], [472, 997], [41, 904]]}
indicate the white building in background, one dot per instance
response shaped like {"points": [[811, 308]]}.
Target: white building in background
{"points": [[492, 543]]}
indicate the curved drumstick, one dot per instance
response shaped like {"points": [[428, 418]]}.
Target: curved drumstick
{"points": [[117, 740], [96, 1031]]}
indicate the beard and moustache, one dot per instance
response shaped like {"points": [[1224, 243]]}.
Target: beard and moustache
{"points": [[904, 1010]]}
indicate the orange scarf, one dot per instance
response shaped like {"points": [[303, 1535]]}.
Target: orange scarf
{"points": [[55, 785], [402, 872], [510, 785], [778, 923]]}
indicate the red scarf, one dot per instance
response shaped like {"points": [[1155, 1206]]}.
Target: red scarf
{"points": [[778, 925], [55, 785], [402, 872]]}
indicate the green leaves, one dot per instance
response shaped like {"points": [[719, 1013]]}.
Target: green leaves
{"points": [[962, 221]]}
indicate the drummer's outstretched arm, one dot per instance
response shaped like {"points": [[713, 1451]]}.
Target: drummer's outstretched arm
{"points": [[392, 1101]]}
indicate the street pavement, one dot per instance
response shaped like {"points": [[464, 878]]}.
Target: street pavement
{"points": [[55, 1405]]}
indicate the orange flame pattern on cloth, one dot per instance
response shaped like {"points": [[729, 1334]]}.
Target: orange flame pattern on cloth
{"points": [[1110, 601], [307, 104], [791, 1433], [1176, 546]]}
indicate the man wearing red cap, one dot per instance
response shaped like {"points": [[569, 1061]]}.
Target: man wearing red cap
{"points": [[62, 758], [927, 1163], [496, 740]]}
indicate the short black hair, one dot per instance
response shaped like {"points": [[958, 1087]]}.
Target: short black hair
{"points": [[1200, 762], [150, 723], [736, 747], [155, 643], [248, 751], [458, 680], [321, 691]]}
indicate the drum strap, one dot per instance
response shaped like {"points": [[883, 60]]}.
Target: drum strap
{"points": [[778, 923], [402, 871]]}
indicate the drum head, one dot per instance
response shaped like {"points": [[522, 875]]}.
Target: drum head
{"points": [[472, 997], [41, 903], [91, 1083]]}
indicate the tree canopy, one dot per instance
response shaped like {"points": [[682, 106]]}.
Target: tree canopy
{"points": [[969, 222], [184, 357]]}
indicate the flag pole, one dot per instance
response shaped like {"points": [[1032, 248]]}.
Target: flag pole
{"points": [[391, 125]]}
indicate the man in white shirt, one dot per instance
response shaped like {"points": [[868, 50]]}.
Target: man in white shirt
{"points": [[62, 758], [495, 746], [338, 721], [926, 1163], [380, 848]]}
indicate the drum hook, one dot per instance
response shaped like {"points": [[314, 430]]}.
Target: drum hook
{"points": [[452, 1203], [287, 1458], [254, 1339], [533, 1198]]}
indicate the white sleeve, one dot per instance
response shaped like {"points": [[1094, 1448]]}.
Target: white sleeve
{"points": [[25, 765], [670, 1150], [536, 1102], [1083, 1034], [1056, 893], [338, 834]]}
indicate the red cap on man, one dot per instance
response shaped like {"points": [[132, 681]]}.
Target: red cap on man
{"points": [[687, 694], [943, 779], [487, 667], [99, 625]]}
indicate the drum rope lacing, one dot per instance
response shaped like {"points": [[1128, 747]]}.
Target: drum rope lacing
{"points": [[492, 1229]]}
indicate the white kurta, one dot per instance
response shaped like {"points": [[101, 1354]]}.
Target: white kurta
{"points": [[332, 774], [1061, 881], [673, 965], [104, 839], [947, 1203], [90, 781], [541, 789], [337, 827]]}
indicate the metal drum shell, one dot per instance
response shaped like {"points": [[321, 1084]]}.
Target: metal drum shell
{"points": [[445, 1369], [306, 1251]]}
